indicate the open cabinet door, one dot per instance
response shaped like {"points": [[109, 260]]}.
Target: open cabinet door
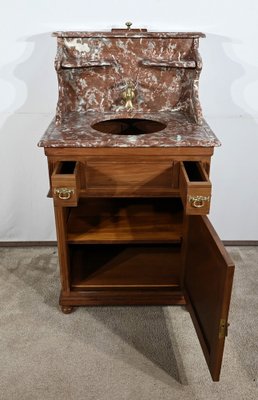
{"points": [[208, 281]]}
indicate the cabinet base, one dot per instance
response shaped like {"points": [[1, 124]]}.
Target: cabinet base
{"points": [[119, 297]]}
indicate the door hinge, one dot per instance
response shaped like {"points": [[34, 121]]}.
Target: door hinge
{"points": [[223, 328]]}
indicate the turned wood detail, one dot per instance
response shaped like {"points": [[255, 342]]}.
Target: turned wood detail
{"points": [[67, 309]]}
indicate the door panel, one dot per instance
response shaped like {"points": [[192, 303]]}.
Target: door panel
{"points": [[208, 282]]}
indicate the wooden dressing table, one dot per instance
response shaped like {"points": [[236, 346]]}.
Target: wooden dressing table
{"points": [[129, 157]]}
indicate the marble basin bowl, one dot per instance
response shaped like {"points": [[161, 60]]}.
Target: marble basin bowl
{"points": [[128, 126]]}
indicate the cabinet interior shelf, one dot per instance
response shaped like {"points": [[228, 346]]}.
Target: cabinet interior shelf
{"points": [[125, 267], [125, 220]]}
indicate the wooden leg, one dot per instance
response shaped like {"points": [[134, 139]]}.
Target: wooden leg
{"points": [[67, 309]]}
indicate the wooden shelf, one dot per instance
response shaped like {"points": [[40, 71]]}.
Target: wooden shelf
{"points": [[125, 266], [107, 221]]}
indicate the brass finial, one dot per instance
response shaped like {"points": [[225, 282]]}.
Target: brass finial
{"points": [[129, 24]]}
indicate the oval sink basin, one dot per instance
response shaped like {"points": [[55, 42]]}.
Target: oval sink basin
{"points": [[128, 126]]}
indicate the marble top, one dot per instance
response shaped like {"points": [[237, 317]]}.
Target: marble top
{"points": [[127, 33], [76, 130]]}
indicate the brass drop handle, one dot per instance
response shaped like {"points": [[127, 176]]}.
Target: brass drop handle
{"points": [[64, 193], [198, 201]]}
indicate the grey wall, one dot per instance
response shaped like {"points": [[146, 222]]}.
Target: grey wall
{"points": [[28, 88]]}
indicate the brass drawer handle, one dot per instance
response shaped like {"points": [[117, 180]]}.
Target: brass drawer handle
{"points": [[198, 201], [64, 193]]}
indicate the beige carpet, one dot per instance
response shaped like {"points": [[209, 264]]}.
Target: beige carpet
{"points": [[145, 353]]}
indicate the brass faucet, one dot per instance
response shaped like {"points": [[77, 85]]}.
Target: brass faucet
{"points": [[128, 96]]}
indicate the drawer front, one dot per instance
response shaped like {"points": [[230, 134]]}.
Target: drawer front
{"points": [[195, 188], [65, 183], [128, 177]]}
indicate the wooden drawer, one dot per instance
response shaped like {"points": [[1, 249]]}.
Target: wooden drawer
{"points": [[195, 188], [65, 183], [129, 178]]}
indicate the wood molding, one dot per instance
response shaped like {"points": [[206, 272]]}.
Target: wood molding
{"points": [[54, 243], [28, 244], [240, 242]]}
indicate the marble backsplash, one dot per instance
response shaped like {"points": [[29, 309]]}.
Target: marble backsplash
{"points": [[95, 68]]}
